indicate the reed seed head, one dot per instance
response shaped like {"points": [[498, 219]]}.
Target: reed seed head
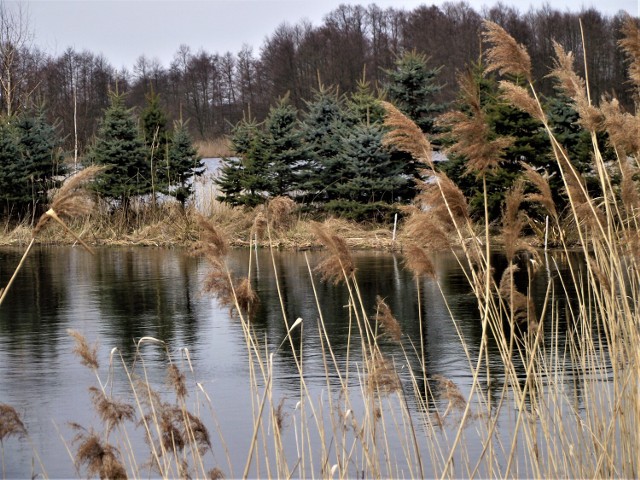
{"points": [[280, 210], [177, 380], [72, 199], [505, 55], [520, 98], [112, 412], [544, 196], [100, 458], [405, 135], [472, 136], [246, 296], [512, 219], [418, 261], [10, 422], [212, 243], [88, 353], [339, 264], [630, 44], [390, 325], [382, 378]]}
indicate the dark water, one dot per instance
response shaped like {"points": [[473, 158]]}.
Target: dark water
{"points": [[123, 294]]}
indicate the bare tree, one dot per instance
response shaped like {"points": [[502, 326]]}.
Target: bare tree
{"points": [[15, 38]]}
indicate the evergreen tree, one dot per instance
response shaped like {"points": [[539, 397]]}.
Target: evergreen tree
{"points": [[244, 178], [412, 88], [324, 127], [12, 183], [366, 106], [31, 161], [530, 144], [119, 145], [367, 172], [156, 137], [182, 164], [284, 150]]}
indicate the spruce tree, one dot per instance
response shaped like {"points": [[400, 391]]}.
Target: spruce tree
{"points": [[182, 164], [413, 89], [326, 123], [244, 178], [367, 174], [156, 137], [30, 162], [283, 149], [120, 147]]}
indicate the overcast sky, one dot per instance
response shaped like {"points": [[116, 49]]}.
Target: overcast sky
{"points": [[123, 30]]}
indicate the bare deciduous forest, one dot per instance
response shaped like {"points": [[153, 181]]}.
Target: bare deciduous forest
{"points": [[214, 90]]}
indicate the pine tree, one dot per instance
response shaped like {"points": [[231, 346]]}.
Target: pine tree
{"points": [[182, 164], [412, 88], [119, 145]]}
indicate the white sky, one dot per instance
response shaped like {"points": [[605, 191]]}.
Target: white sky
{"points": [[123, 30]]}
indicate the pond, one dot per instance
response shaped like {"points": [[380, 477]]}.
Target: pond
{"points": [[121, 295]]}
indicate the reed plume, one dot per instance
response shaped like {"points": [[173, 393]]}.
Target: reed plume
{"points": [[630, 44], [445, 200], [176, 379], [101, 458], [112, 412], [418, 261], [513, 220], [389, 324], [71, 200], [382, 377], [426, 229], [506, 56], [544, 196], [405, 135], [623, 128], [521, 307], [88, 353], [338, 266], [471, 133], [574, 87], [279, 211], [10, 423], [520, 98]]}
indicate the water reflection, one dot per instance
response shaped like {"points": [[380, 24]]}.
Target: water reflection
{"points": [[122, 294]]}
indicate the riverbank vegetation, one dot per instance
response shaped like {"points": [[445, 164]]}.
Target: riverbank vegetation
{"points": [[363, 425]]}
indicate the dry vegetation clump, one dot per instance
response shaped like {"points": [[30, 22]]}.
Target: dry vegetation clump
{"points": [[216, 148]]}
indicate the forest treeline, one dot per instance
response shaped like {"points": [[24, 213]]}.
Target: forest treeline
{"points": [[214, 91]]}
